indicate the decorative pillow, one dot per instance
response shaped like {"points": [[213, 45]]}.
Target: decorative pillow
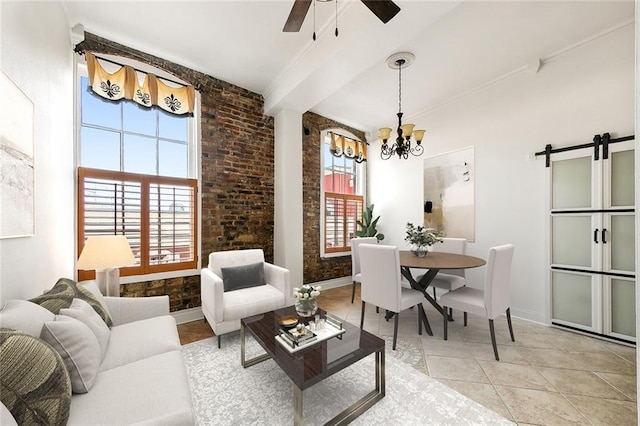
{"points": [[34, 383], [24, 316], [63, 293], [244, 276], [84, 313], [78, 347], [92, 287]]}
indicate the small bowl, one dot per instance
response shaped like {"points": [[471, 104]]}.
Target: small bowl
{"points": [[288, 321]]}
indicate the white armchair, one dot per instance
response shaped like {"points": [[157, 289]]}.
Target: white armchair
{"points": [[224, 309]]}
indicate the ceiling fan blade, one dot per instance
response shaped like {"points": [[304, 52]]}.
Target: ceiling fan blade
{"points": [[383, 9], [296, 16]]}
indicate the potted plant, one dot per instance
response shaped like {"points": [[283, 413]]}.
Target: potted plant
{"points": [[421, 238], [368, 225]]}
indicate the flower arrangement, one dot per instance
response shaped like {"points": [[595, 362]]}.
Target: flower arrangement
{"points": [[306, 292], [421, 237]]}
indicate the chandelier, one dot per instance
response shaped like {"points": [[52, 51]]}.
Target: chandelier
{"points": [[402, 144]]}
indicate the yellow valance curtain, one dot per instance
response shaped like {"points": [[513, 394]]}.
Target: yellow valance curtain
{"points": [[125, 84], [347, 147]]}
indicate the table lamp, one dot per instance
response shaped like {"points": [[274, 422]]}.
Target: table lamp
{"points": [[106, 254]]}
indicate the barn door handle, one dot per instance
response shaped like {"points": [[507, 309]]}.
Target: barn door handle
{"points": [[595, 236], [604, 236]]}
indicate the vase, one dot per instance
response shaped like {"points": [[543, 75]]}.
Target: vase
{"points": [[306, 307], [420, 251]]}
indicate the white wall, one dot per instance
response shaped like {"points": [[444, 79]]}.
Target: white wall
{"points": [[586, 91], [36, 54], [288, 216]]}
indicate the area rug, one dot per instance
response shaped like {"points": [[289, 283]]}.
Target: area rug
{"points": [[224, 393]]}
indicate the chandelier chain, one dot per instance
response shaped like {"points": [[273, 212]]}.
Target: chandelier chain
{"points": [[400, 85]]}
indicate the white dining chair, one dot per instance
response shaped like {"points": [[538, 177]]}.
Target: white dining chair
{"points": [[382, 285], [490, 302], [355, 260], [453, 278]]}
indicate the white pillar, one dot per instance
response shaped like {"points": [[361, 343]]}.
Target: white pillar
{"points": [[288, 235]]}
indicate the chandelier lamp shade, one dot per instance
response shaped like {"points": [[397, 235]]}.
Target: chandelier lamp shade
{"points": [[402, 144]]}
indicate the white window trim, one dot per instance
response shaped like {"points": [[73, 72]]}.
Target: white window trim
{"points": [[361, 170], [194, 172]]}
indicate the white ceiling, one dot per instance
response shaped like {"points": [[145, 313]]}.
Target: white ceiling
{"points": [[460, 46]]}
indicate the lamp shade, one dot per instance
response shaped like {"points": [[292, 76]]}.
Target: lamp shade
{"points": [[419, 135], [385, 133], [407, 129], [106, 251]]}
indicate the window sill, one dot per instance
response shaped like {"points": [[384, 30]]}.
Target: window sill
{"points": [[159, 276], [331, 255]]}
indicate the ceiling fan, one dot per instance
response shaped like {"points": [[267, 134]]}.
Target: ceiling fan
{"points": [[383, 9]]}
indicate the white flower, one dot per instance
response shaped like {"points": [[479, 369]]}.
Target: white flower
{"points": [[296, 290]]}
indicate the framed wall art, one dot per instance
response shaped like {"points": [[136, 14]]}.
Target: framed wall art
{"points": [[17, 177], [449, 193]]}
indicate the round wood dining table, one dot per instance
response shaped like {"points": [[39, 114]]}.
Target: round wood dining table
{"points": [[434, 261]]}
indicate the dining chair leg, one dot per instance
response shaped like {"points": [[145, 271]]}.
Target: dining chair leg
{"points": [[465, 319], [513, 339], [425, 320], [362, 315], [445, 321], [395, 331], [493, 340], [353, 292], [434, 293], [419, 324], [451, 313]]}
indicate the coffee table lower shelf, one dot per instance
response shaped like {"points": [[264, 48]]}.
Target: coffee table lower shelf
{"points": [[348, 414]]}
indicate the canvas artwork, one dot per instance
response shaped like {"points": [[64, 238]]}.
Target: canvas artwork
{"points": [[449, 194], [16, 162]]}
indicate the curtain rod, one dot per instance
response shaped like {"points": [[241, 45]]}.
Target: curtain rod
{"points": [[139, 70], [349, 137]]}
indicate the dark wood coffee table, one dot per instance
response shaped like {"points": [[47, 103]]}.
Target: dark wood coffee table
{"points": [[318, 361]]}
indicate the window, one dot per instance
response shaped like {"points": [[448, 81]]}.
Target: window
{"points": [[342, 189], [136, 178]]}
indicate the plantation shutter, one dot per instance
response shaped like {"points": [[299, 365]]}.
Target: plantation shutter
{"points": [[158, 215], [342, 213]]}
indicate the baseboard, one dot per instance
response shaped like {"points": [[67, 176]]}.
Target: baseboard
{"points": [[333, 283], [529, 315], [188, 315]]}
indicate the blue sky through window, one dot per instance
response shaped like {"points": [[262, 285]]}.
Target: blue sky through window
{"points": [[124, 136]]}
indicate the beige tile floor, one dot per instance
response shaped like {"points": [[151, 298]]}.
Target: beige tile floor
{"points": [[547, 376]]}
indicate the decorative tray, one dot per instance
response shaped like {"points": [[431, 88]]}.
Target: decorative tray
{"points": [[297, 339]]}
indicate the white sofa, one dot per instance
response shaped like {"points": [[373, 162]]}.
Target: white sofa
{"points": [[223, 310], [142, 378]]}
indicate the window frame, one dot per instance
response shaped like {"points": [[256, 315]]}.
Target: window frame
{"points": [[360, 193], [136, 274], [146, 181]]}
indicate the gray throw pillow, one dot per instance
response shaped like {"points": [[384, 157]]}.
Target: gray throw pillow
{"points": [[83, 312], [243, 276], [78, 347]]}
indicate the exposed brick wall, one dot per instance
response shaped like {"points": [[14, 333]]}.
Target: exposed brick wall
{"points": [[237, 163], [315, 267]]}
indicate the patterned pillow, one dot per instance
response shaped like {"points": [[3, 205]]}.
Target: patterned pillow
{"points": [[34, 383], [63, 293]]}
